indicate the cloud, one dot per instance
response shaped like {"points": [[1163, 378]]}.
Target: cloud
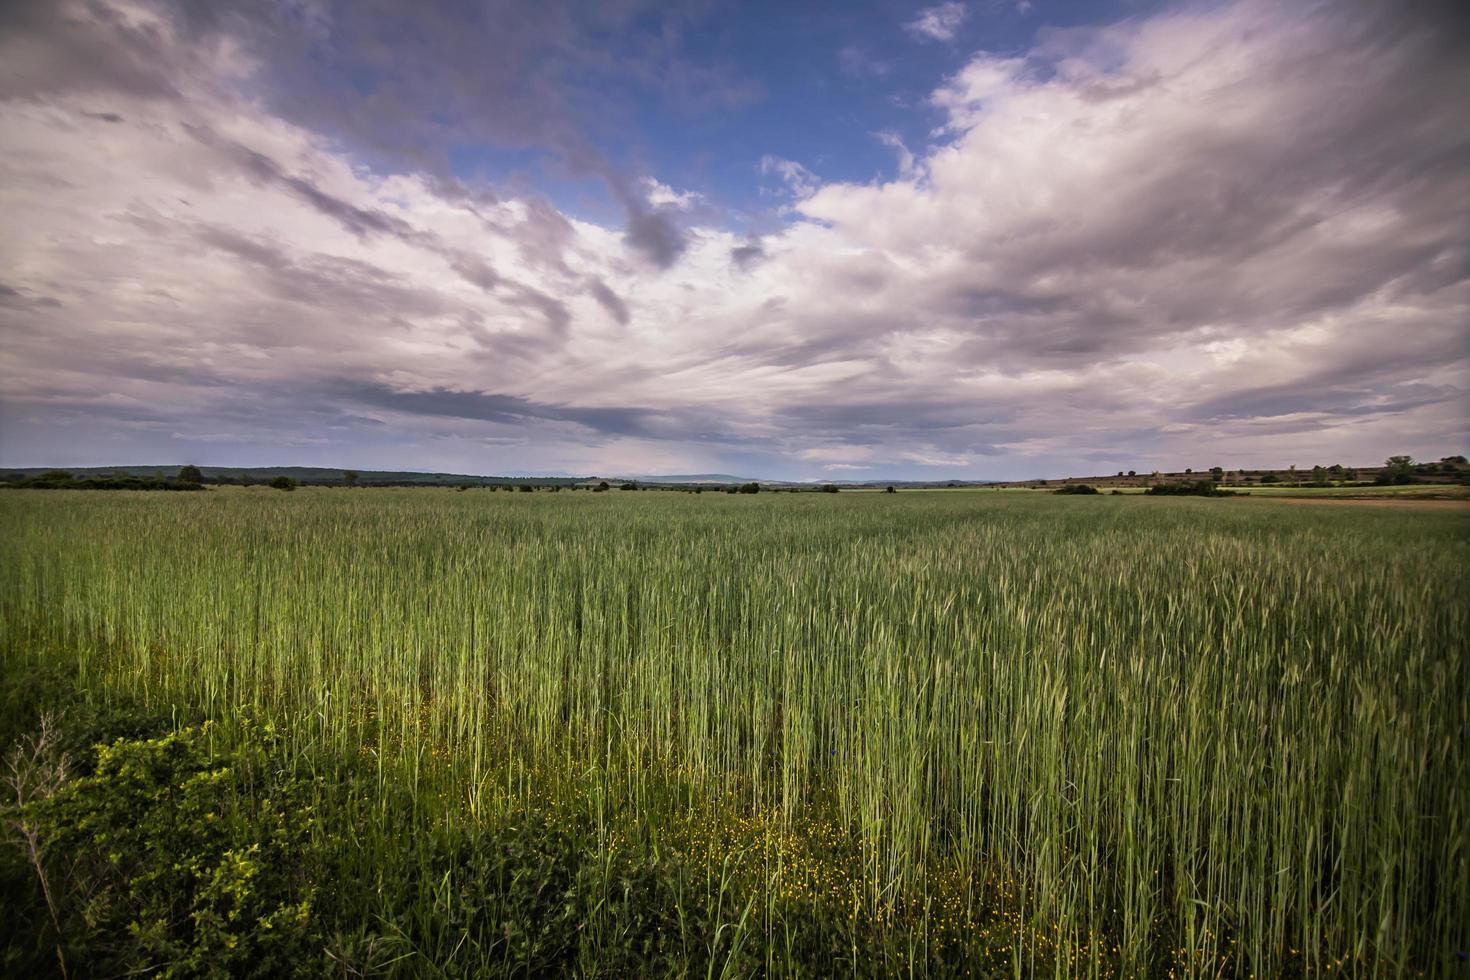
{"points": [[906, 159], [1235, 229], [797, 178], [747, 254], [856, 62], [662, 195], [940, 22]]}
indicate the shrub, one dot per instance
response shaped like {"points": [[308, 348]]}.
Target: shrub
{"points": [[1076, 488], [283, 483], [165, 856], [190, 474], [1194, 488], [751, 487]]}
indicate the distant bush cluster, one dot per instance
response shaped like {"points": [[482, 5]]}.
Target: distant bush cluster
{"points": [[63, 480], [1076, 489], [1188, 488]]}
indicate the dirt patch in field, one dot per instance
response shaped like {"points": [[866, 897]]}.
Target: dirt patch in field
{"points": [[1420, 503]]}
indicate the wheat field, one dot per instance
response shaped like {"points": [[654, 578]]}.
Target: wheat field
{"points": [[921, 733]]}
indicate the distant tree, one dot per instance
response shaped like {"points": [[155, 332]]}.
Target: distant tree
{"points": [[349, 477], [1270, 478], [1217, 473], [1336, 470], [190, 474], [1454, 460], [1120, 472], [699, 489], [1132, 473], [1076, 488], [829, 488], [1319, 474], [890, 490], [600, 487], [630, 485], [751, 487], [1187, 470], [526, 488], [55, 476], [283, 483], [1397, 470]]}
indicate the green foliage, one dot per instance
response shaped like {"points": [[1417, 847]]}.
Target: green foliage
{"points": [[751, 487], [190, 474], [170, 860], [1397, 471], [65, 481], [1076, 488], [1188, 488], [283, 483]]}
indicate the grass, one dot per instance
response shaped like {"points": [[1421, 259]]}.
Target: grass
{"points": [[859, 734], [1428, 491]]}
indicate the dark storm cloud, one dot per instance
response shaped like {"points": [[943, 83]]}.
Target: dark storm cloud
{"points": [[49, 48], [332, 284], [655, 234], [490, 407], [1280, 400], [609, 301], [264, 170], [749, 254]]}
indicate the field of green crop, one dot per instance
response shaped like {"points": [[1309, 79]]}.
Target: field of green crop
{"points": [[793, 734]]}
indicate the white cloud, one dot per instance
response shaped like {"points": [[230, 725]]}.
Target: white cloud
{"points": [[798, 179], [662, 195], [938, 23]]}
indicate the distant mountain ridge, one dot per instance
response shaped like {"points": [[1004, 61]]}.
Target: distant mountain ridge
{"points": [[302, 474]]}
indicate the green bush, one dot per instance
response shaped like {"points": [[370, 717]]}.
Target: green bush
{"points": [[165, 858], [1193, 488], [283, 483], [1076, 488]]}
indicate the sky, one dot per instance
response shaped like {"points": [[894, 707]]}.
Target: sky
{"points": [[994, 239]]}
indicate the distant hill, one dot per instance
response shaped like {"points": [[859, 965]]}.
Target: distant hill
{"points": [[319, 475], [695, 478]]}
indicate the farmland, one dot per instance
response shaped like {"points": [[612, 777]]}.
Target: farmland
{"points": [[946, 733]]}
